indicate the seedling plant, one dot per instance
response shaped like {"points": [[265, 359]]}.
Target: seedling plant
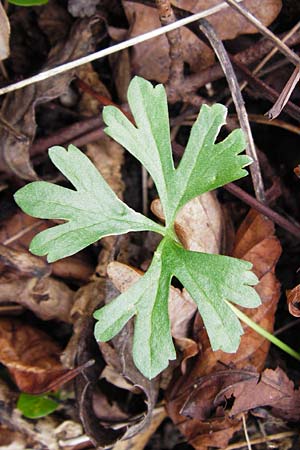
{"points": [[93, 210]]}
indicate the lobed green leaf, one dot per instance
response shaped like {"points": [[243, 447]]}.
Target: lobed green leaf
{"points": [[204, 166], [210, 280], [91, 212]]}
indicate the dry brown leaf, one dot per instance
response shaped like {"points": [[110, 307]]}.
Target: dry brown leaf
{"points": [[55, 21], [47, 298], [199, 224], [256, 243], [23, 262], [18, 108], [17, 233], [249, 389], [151, 59], [293, 300], [30, 355], [228, 23], [4, 34]]}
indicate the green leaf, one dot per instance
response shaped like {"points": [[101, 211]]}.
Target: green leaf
{"points": [[92, 211], [148, 301], [150, 140], [36, 406], [28, 2], [204, 165], [210, 280]]}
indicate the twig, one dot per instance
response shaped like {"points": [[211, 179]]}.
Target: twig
{"points": [[292, 56], [113, 49], [222, 55], [258, 118], [285, 95], [265, 90], [246, 432], [271, 437], [267, 58], [286, 327], [265, 210], [66, 135], [246, 57], [167, 16]]}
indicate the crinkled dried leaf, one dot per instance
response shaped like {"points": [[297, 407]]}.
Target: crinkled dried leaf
{"points": [[30, 355], [293, 300], [47, 298]]}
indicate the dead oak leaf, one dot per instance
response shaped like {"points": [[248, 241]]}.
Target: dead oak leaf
{"points": [[30, 355]]}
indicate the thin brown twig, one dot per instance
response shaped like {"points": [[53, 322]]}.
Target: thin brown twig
{"points": [[285, 94], [282, 47], [270, 55], [66, 134], [261, 440], [225, 62], [166, 16], [246, 57], [265, 210], [265, 90], [246, 432]]}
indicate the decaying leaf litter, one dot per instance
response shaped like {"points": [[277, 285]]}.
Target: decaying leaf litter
{"points": [[204, 393]]}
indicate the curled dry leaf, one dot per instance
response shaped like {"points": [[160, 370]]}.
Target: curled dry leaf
{"points": [[140, 441], [18, 108], [47, 298], [255, 242], [30, 355], [271, 388], [23, 262], [4, 34], [293, 300]]}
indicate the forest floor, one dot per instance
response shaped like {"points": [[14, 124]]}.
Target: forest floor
{"points": [[59, 388]]}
